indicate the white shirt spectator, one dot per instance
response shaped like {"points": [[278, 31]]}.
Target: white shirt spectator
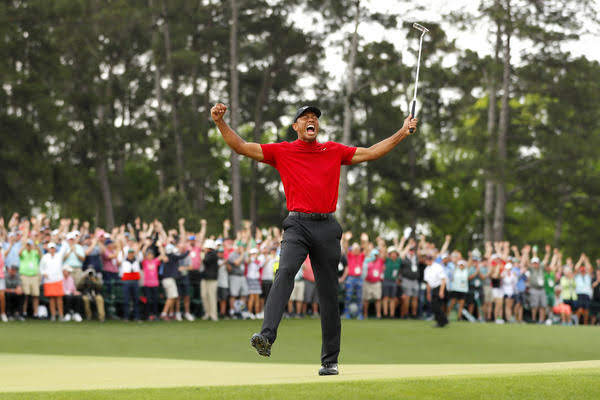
{"points": [[128, 266], [254, 267], [51, 266], [509, 281], [434, 275]]}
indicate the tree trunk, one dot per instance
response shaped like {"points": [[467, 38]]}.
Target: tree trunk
{"points": [[265, 88], [348, 113], [500, 211], [109, 216], [559, 224], [158, 94], [488, 208], [176, 133], [236, 185]]}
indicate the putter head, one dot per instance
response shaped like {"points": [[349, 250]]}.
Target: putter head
{"points": [[420, 27]]}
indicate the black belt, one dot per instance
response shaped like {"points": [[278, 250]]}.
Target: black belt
{"points": [[312, 216]]}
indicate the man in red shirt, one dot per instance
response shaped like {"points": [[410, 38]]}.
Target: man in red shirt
{"points": [[310, 173]]}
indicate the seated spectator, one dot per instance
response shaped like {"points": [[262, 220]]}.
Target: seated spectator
{"points": [[51, 268], [90, 287], [72, 298], [14, 294], [561, 308]]}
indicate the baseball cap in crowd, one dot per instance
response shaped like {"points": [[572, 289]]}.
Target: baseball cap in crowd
{"points": [[68, 268], [170, 248], [51, 245], [535, 260], [495, 256], [374, 252], [29, 241], [107, 242], [210, 244], [131, 250], [54, 232], [462, 262], [220, 250], [445, 255], [392, 250], [71, 235], [192, 237], [253, 250], [304, 109]]}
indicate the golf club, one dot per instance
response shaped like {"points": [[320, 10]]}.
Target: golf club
{"points": [[414, 100]]}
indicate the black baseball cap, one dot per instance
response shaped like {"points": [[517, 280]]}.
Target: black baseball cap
{"points": [[304, 109]]}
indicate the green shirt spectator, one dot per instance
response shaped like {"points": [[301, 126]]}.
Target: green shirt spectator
{"points": [[29, 262], [392, 267]]}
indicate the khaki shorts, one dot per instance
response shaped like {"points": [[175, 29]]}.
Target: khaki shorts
{"points": [[298, 292], [372, 291], [170, 287], [488, 295], [31, 285]]}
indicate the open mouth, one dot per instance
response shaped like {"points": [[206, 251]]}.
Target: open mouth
{"points": [[310, 129]]}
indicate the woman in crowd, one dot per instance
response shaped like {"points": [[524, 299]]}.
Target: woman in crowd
{"points": [[253, 279], [583, 288], [509, 285], [497, 292], [459, 286], [73, 303], [51, 269], [150, 285]]}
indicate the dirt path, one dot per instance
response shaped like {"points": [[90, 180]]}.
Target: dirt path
{"points": [[20, 373]]}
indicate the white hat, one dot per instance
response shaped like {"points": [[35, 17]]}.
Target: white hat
{"points": [[51, 245], [495, 256], [392, 249], [535, 260], [54, 232], [71, 235], [462, 262], [509, 266], [210, 244], [253, 250], [68, 268], [170, 248]]}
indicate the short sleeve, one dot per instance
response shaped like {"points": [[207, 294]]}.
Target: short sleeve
{"points": [[270, 152], [347, 153]]}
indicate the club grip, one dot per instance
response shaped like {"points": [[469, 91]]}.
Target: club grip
{"points": [[412, 114]]}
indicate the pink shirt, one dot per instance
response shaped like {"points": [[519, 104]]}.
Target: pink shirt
{"points": [[108, 264], [151, 272], [375, 270], [355, 263], [69, 285], [1, 264], [196, 257], [308, 273]]}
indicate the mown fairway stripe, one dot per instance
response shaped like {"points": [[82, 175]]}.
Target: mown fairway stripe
{"points": [[22, 372]]}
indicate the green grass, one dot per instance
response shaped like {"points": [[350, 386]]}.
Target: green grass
{"points": [[363, 342], [565, 385]]}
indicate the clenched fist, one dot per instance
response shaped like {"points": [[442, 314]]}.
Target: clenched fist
{"points": [[410, 123], [218, 111]]}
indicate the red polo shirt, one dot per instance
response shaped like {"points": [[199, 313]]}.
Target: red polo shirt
{"points": [[310, 172]]}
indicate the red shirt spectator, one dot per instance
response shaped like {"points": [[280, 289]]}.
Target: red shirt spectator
{"points": [[375, 270], [355, 263]]}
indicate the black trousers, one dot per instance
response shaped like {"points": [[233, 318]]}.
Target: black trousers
{"points": [[436, 306], [14, 303], [320, 239]]}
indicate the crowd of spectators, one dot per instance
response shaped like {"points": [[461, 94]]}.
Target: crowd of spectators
{"points": [[142, 271]]}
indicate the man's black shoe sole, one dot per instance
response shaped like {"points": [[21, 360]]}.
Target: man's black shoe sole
{"points": [[262, 346], [326, 373]]}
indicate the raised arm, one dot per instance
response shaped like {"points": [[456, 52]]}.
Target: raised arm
{"points": [[380, 149], [233, 140]]}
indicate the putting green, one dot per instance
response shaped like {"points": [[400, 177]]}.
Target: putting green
{"points": [[27, 373]]}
